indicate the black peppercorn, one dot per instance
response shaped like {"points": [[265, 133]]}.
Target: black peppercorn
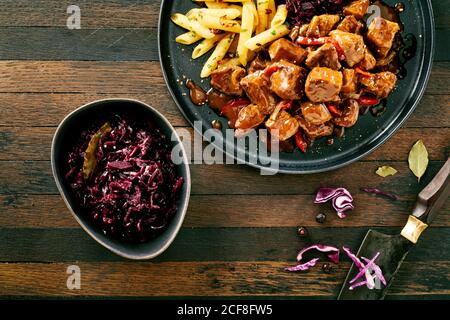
{"points": [[320, 218], [302, 232], [327, 268]]}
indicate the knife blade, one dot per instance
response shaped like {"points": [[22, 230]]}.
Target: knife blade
{"points": [[394, 248]]}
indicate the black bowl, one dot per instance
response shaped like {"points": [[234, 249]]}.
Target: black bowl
{"points": [[368, 134], [64, 138]]}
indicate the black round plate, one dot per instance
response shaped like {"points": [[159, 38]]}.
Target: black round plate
{"points": [[360, 140]]}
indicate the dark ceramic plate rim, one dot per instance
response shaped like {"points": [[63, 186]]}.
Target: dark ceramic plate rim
{"points": [[63, 191], [426, 63]]}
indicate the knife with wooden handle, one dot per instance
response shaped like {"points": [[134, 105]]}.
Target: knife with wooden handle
{"points": [[394, 248]]}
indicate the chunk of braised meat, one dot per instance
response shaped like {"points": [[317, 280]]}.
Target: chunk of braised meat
{"points": [[381, 34], [352, 45], [281, 124], [379, 84], [357, 8], [249, 117], [383, 62], [257, 87], [323, 84], [325, 56], [350, 82], [227, 80], [295, 32], [368, 62], [313, 131], [283, 49], [287, 81], [303, 30], [350, 24], [315, 113], [349, 114], [321, 25], [260, 62]]}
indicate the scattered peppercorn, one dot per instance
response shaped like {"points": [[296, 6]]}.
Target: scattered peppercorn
{"points": [[320, 218], [302, 232], [327, 268]]}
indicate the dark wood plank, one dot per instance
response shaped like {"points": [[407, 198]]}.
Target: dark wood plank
{"points": [[43, 109], [34, 143], [207, 279], [106, 44], [94, 14], [119, 77], [49, 211], [34, 177], [441, 10], [127, 13], [85, 44], [206, 244]]}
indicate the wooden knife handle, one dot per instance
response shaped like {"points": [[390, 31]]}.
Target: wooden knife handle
{"points": [[431, 199]]}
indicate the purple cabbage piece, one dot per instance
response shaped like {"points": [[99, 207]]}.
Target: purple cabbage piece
{"points": [[341, 199], [380, 192], [334, 256], [134, 191], [376, 268], [359, 284], [365, 268], [303, 267], [353, 257], [302, 11]]}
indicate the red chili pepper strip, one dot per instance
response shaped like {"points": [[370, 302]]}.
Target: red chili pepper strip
{"points": [[340, 51], [311, 41], [271, 70], [300, 141], [235, 103], [368, 101], [287, 105], [363, 72], [335, 112]]}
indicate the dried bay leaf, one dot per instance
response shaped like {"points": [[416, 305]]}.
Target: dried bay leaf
{"points": [[385, 171], [90, 158], [418, 159]]}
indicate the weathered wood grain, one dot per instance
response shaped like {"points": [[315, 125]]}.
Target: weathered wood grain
{"points": [[129, 77], [127, 13], [94, 14], [43, 109], [86, 44], [49, 211], [48, 109], [34, 177], [206, 244], [106, 44], [206, 279], [34, 143], [240, 230]]}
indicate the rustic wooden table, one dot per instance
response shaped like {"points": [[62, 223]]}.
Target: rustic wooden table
{"points": [[240, 229]]}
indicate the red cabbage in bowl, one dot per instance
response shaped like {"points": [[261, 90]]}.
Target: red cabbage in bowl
{"points": [[133, 193], [302, 11]]}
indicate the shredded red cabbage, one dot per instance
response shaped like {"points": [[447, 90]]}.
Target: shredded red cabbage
{"points": [[333, 256], [377, 271], [302, 11], [341, 199], [365, 270], [134, 191], [380, 192], [303, 267]]}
